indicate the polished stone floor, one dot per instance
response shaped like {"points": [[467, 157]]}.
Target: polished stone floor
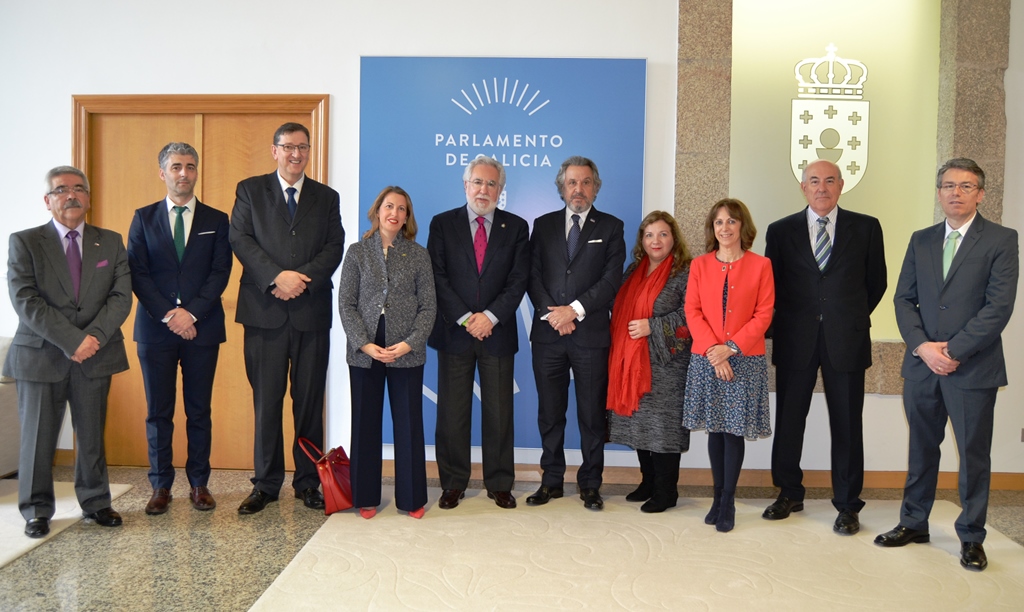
{"points": [[190, 560]]}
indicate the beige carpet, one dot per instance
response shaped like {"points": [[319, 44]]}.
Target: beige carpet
{"points": [[13, 541], [561, 556]]}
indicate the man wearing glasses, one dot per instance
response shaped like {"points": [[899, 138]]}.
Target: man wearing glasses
{"points": [[70, 285], [481, 263], [954, 296], [286, 232]]}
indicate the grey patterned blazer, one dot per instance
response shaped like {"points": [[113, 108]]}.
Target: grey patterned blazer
{"points": [[402, 285]]}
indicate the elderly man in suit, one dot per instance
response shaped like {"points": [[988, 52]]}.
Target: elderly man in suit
{"points": [[829, 268], [481, 261], [71, 288], [576, 258], [954, 297], [180, 261], [286, 231]]}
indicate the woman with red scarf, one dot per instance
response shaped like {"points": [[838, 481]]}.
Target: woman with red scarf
{"points": [[647, 363]]}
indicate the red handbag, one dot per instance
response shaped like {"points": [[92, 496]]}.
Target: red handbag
{"points": [[333, 469]]}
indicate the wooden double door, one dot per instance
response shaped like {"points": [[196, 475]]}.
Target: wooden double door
{"points": [[116, 142]]}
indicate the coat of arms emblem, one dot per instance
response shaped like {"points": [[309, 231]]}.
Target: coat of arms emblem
{"points": [[830, 116]]}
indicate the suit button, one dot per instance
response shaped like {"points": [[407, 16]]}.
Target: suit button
{"points": [[387, 305], [293, 232], [568, 271], [941, 307]]}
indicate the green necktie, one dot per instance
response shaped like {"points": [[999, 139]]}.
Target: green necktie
{"points": [[948, 252], [179, 231]]}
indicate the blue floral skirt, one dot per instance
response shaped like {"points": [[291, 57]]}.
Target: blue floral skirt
{"points": [[739, 407]]}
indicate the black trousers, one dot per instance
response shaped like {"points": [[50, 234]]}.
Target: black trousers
{"points": [[844, 394], [405, 395]]}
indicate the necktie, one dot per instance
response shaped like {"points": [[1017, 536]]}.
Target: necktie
{"points": [[574, 237], [822, 244], [947, 252], [292, 204], [480, 244], [179, 231], [74, 261]]}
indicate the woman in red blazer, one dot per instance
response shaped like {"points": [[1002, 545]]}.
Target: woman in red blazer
{"points": [[729, 304]]}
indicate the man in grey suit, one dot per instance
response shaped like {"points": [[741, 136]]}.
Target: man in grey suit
{"points": [[954, 297], [481, 261], [576, 257], [71, 288], [286, 231]]}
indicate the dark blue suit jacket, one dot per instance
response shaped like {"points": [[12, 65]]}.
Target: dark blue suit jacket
{"points": [[593, 277], [158, 278], [499, 287]]}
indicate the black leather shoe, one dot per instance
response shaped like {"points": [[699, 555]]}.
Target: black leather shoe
{"points": [[256, 502], [847, 523], [782, 508], [40, 526], [450, 498], [105, 517], [901, 536], [159, 502], [543, 495], [503, 499], [311, 498], [591, 499], [972, 556]]}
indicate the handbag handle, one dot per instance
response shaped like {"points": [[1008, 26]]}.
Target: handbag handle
{"points": [[303, 442]]}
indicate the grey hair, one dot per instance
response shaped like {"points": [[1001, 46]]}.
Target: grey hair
{"points": [[577, 160], [176, 148], [485, 161], [803, 175], [961, 163], [59, 170]]}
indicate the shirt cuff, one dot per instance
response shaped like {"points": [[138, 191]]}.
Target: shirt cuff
{"points": [[462, 320], [490, 315], [581, 313]]}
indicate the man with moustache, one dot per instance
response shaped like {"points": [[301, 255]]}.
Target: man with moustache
{"points": [[481, 265], [954, 297], [71, 288], [576, 255], [829, 268], [180, 261], [286, 231]]}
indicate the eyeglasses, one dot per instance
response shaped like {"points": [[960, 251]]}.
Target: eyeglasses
{"points": [[480, 183], [64, 190], [965, 188], [289, 148]]}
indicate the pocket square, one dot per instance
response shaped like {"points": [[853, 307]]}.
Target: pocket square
{"points": [[205, 233], [594, 241], [103, 264]]}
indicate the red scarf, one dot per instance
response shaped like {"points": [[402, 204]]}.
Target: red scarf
{"points": [[629, 361]]}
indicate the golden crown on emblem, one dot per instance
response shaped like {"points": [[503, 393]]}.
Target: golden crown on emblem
{"points": [[830, 76]]}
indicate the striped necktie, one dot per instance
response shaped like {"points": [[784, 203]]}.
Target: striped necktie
{"points": [[822, 244]]}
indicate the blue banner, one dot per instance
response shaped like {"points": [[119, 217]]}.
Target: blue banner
{"points": [[423, 119]]}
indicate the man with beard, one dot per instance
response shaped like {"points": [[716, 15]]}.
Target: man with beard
{"points": [[576, 258], [180, 260], [481, 264]]}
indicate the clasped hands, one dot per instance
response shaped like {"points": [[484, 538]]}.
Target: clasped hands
{"points": [[89, 347], [386, 354], [479, 325], [289, 285], [718, 355], [935, 355], [562, 319], [181, 322]]}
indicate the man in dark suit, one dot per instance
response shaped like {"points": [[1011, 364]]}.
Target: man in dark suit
{"points": [[576, 258], [481, 260], [180, 261], [286, 231], [954, 297], [829, 268], [71, 288]]}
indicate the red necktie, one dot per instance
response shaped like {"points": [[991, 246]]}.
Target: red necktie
{"points": [[480, 244]]}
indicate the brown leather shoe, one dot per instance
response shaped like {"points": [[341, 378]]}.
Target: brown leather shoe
{"points": [[450, 498], [159, 502], [202, 499], [503, 499]]}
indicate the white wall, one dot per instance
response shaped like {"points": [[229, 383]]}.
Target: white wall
{"points": [[54, 49]]}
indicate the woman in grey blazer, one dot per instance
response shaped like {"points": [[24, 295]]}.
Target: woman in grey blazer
{"points": [[387, 276]]}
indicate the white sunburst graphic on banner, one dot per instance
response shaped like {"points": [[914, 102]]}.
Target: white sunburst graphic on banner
{"points": [[493, 93]]}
